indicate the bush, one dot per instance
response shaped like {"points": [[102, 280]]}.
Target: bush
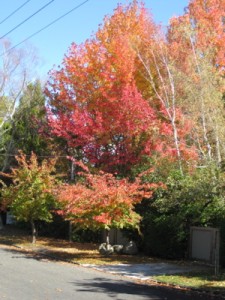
{"points": [[195, 199], [86, 236], [58, 228], [163, 236]]}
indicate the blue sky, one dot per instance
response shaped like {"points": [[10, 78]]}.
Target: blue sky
{"points": [[52, 43]]}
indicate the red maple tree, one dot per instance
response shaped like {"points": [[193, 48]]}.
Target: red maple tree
{"points": [[101, 102]]}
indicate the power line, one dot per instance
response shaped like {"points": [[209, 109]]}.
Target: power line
{"points": [[45, 27], [35, 13], [10, 15]]}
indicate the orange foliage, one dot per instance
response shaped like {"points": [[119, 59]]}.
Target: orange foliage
{"points": [[102, 201], [99, 100], [203, 25]]}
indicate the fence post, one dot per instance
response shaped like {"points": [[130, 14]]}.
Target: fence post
{"points": [[217, 252]]}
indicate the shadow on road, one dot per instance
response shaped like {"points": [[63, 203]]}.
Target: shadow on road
{"points": [[115, 288], [28, 254]]}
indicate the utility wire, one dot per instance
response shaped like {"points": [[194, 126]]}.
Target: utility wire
{"points": [[10, 15], [45, 27], [36, 12]]}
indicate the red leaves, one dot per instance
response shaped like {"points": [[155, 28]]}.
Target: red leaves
{"points": [[101, 100], [94, 98], [103, 201], [103, 218]]}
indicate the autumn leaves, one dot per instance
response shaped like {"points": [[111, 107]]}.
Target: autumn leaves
{"points": [[134, 97]]}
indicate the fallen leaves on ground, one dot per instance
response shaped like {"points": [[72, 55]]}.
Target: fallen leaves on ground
{"points": [[81, 253]]}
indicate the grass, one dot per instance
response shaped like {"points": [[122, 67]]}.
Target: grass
{"points": [[204, 280]]}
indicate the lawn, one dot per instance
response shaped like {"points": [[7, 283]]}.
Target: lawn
{"points": [[204, 280]]}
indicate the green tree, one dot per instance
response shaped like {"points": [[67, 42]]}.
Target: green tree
{"points": [[192, 199], [30, 196], [29, 118], [28, 122]]}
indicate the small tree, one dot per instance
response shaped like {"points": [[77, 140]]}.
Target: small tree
{"points": [[101, 201], [30, 195]]}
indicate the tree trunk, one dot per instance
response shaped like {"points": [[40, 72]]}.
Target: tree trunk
{"points": [[70, 231], [177, 145], [107, 238], [168, 97], [72, 178], [1, 223], [34, 232]]}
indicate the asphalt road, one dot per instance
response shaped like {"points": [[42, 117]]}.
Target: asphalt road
{"points": [[24, 277]]}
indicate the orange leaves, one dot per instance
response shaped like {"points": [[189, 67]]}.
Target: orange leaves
{"points": [[203, 23], [196, 41], [103, 218], [103, 201], [103, 100], [95, 99], [29, 169], [30, 196]]}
